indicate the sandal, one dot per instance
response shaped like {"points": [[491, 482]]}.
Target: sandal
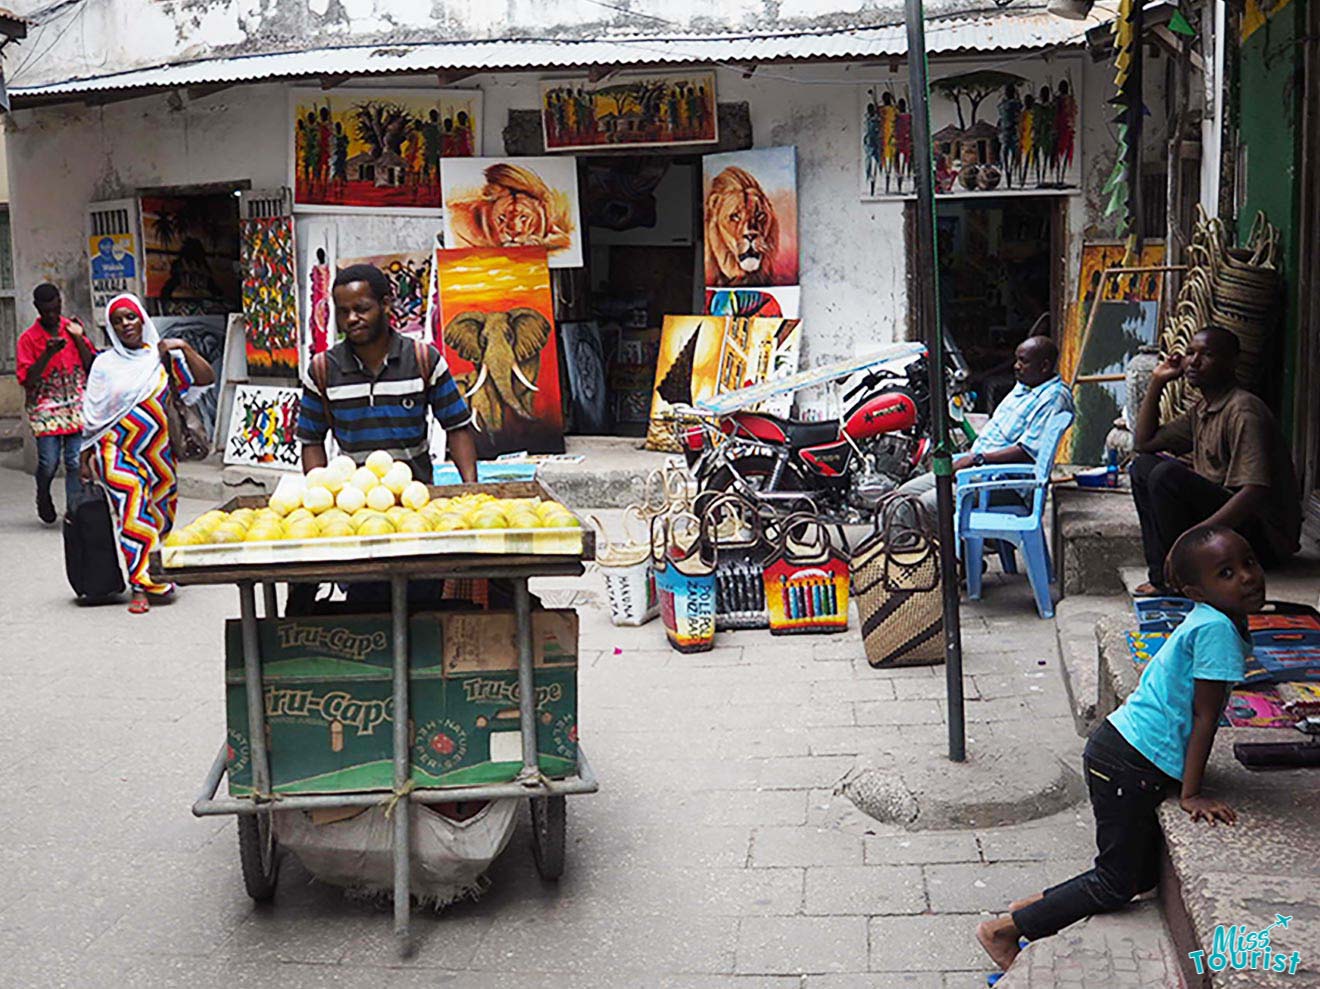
{"points": [[164, 597], [139, 606], [1149, 590]]}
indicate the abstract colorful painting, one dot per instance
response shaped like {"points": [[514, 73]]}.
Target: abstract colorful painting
{"points": [[270, 297], [994, 132], [379, 148], [262, 427], [191, 243], [781, 302], [629, 111], [756, 350], [410, 284], [686, 371], [515, 202], [751, 222], [499, 340]]}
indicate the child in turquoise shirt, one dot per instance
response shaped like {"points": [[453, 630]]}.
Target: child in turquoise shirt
{"points": [[1160, 738]]}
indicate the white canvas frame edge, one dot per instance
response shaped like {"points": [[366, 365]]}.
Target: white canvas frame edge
{"points": [[598, 148], [581, 238], [292, 156]]}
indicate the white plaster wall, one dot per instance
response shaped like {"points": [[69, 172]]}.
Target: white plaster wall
{"points": [[854, 265]]}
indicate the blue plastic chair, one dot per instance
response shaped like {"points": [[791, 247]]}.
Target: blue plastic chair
{"points": [[1020, 525]]}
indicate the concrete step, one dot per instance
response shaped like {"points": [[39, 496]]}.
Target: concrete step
{"points": [[1131, 949], [1099, 534], [11, 434], [1076, 619], [1268, 864]]}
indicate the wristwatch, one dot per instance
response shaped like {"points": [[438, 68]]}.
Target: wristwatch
{"points": [[978, 459]]}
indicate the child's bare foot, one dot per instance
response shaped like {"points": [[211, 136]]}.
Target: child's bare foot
{"points": [[999, 938], [1026, 901]]}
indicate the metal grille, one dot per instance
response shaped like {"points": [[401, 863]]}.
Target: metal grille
{"points": [[8, 298]]}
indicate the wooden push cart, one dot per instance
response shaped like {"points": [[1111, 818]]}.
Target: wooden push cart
{"points": [[464, 554]]}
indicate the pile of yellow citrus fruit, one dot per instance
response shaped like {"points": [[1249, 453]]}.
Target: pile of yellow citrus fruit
{"points": [[378, 499]]}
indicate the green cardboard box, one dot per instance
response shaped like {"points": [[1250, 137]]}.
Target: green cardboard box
{"points": [[329, 700]]}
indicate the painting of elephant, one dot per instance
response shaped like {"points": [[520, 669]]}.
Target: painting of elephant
{"points": [[513, 384]]}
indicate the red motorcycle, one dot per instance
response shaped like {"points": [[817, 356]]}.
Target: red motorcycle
{"points": [[840, 470]]}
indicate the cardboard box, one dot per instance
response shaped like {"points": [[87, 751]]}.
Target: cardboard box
{"points": [[329, 700]]}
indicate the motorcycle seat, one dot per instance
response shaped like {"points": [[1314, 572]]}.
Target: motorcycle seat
{"points": [[801, 432]]}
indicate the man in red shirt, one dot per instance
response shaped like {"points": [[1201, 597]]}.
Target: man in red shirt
{"points": [[54, 356]]}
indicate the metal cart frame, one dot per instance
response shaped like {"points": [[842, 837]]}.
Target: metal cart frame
{"points": [[546, 797]]}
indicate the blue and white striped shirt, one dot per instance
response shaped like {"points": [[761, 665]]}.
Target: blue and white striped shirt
{"points": [[386, 411], [1022, 417]]}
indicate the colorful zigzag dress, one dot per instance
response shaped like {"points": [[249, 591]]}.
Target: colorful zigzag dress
{"points": [[136, 466]]}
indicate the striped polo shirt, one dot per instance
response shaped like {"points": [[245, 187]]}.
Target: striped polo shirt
{"points": [[386, 411]]}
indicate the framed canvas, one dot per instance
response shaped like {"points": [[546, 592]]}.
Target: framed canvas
{"points": [[995, 132], [750, 212], [783, 302], [515, 202], [498, 338], [190, 245], [686, 371], [262, 427], [372, 149], [409, 274], [584, 357], [270, 296], [659, 108]]}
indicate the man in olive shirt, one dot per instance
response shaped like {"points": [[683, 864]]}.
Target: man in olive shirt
{"points": [[1235, 468]]}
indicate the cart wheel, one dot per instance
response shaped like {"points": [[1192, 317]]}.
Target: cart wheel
{"points": [[259, 854], [549, 823]]}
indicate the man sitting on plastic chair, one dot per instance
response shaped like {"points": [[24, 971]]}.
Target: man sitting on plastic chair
{"points": [[1017, 444], [1013, 434]]}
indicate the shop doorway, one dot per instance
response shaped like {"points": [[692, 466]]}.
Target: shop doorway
{"points": [[644, 261], [999, 278]]}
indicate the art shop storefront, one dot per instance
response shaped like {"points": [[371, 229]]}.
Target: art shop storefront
{"points": [[568, 240]]}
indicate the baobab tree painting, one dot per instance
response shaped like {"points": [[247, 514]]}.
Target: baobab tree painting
{"points": [[992, 132], [367, 149]]}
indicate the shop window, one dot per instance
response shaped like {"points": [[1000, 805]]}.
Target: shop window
{"points": [[8, 298]]}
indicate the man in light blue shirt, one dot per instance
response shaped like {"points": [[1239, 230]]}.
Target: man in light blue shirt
{"points": [[1013, 434]]}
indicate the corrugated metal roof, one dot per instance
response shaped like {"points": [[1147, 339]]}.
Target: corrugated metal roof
{"points": [[1007, 30]]}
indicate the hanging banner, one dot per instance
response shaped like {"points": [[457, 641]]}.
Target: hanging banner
{"points": [[994, 132]]}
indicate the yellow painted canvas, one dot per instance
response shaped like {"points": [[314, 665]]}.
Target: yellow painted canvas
{"points": [[687, 371]]}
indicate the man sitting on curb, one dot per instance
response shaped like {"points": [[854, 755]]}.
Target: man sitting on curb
{"points": [[1236, 469], [1013, 434]]}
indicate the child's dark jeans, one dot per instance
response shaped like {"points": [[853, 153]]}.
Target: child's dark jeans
{"points": [[1125, 789]]}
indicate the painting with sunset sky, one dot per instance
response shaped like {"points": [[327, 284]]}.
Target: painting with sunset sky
{"points": [[497, 333]]}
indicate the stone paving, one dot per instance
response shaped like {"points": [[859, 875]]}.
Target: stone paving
{"points": [[716, 853]]}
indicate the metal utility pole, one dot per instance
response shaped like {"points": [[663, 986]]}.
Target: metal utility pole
{"points": [[925, 254]]}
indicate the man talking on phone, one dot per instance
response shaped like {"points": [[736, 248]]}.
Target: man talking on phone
{"points": [[54, 356]]}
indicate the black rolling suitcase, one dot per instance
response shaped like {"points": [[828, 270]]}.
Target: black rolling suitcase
{"points": [[91, 551]]}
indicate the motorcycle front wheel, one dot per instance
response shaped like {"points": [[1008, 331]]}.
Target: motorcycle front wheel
{"points": [[749, 475]]}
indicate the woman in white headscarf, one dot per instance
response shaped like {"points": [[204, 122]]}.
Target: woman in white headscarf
{"points": [[126, 441]]}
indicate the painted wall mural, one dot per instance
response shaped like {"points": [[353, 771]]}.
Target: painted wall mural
{"points": [[499, 340]]}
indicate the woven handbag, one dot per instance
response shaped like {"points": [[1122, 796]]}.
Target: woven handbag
{"points": [[896, 583], [626, 566], [737, 529]]}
